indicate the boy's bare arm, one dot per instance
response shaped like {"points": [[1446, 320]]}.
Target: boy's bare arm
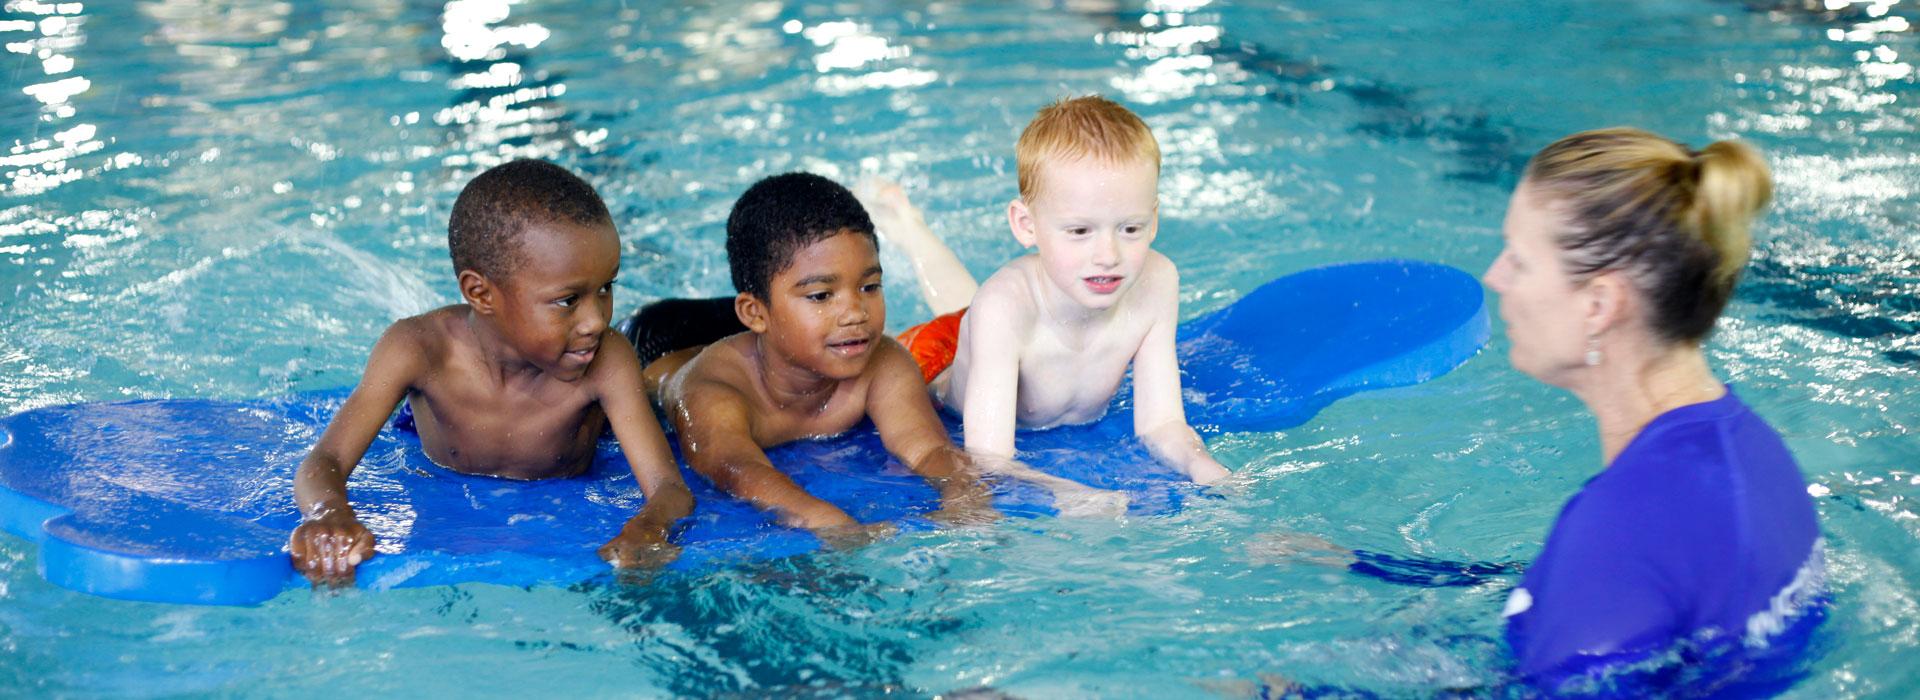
{"points": [[1159, 412], [989, 410], [643, 541], [998, 322], [330, 540], [910, 428], [716, 435]]}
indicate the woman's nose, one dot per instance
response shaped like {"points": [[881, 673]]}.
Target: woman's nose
{"points": [[1495, 276]]}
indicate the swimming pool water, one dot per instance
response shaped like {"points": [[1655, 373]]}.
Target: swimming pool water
{"points": [[232, 199]]}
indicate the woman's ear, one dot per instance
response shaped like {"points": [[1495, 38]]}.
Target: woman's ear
{"points": [[1609, 302], [479, 292], [751, 311], [1020, 219]]}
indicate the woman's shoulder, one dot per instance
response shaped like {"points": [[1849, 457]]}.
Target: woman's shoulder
{"points": [[1705, 446]]}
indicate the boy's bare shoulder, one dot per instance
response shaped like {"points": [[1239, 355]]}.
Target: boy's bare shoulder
{"points": [[615, 366], [720, 372], [1017, 273], [1159, 280], [1159, 270], [436, 325], [1008, 296], [431, 335], [891, 362]]}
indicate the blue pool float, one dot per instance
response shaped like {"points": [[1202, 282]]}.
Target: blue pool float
{"points": [[191, 500]]}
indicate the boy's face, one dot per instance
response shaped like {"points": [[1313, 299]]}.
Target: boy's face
{"points": [[826, 310], [1093, 223], [553, 309]]}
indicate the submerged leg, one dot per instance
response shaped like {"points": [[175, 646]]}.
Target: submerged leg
{"points": [[943, 279]]}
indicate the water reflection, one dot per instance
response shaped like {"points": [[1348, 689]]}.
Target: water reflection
{"points": [[846, 47], [473, 30], [1174, 46], [505, 107], [723, 46], [48, 33]]}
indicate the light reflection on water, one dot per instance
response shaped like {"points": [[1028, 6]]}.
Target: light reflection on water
{"points": [[232, 199], [47, 34]]}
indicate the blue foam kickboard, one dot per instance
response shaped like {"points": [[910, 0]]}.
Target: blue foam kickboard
{"points": [[191, 500]]}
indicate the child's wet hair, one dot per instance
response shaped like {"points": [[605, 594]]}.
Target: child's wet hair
{"points": [[780, 215], [497, 206], [1077, 128]]}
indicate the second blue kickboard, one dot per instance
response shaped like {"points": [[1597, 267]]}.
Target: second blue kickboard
{"points": [[190, 500]]}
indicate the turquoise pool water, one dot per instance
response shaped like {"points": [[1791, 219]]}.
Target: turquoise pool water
{"points": [[232, 199]]}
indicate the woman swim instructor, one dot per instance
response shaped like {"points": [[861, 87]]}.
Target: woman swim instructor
{"points": [[1622, 248]]}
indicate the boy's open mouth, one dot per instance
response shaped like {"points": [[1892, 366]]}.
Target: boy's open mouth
{"points": [[1103, 284], [851, 346], [584, 355]]}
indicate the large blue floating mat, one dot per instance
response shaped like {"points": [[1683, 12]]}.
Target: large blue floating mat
{"points": [[1275, 357], [191, 500]]}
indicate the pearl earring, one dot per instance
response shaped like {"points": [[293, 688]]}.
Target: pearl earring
{"points": [[1593, 351]]}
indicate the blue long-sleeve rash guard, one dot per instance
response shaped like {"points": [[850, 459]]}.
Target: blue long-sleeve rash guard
{"points": [[1701, 528]]}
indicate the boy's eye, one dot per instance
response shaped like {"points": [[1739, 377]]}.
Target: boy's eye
{"points": [[1077, 231], [566, 301], [818, 297], [870, 287], [1133, 229], [606, 288]]}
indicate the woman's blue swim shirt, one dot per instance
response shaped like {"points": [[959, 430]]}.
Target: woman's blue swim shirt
{"points": [[1701, 529]]}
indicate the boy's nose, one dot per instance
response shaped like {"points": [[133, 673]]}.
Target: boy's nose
{"points": [[1106, 249], [853, 313], [595, 316]]}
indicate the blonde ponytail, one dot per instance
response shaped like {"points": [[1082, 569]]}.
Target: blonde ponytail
{"points": [[1734, 185], [1674, 221]]}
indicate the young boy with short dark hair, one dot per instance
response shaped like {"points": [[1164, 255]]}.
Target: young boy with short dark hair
{"points": [[810, 358], [519, 381]]}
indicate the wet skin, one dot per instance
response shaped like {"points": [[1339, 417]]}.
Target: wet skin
{"points": [[1050, 336], [519, 382], [814, 362]]}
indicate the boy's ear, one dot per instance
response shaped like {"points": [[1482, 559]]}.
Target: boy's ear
{"points": [[1020, 219], [752, 312], [479, 292]]}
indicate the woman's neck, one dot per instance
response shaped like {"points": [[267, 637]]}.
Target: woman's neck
{"points": [[1626, 392]]}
